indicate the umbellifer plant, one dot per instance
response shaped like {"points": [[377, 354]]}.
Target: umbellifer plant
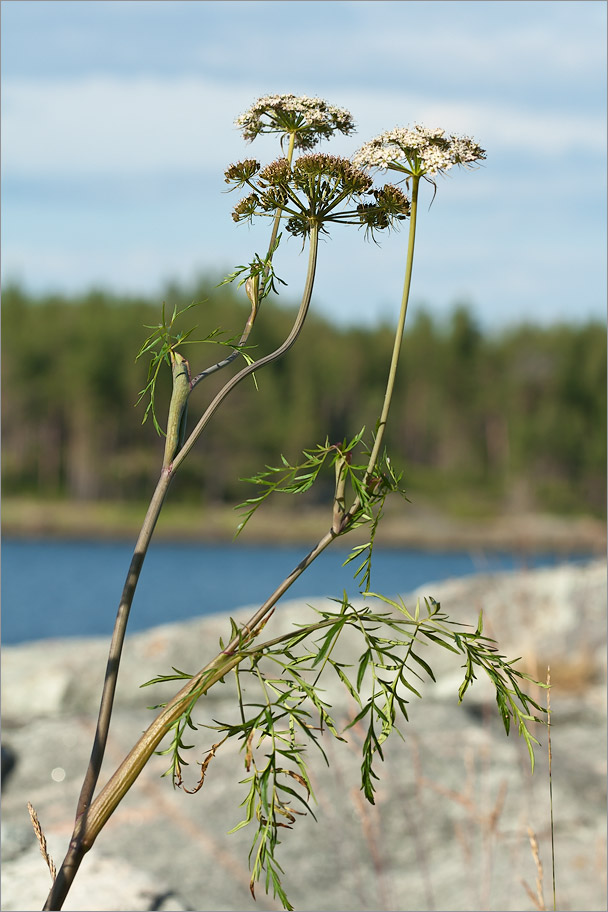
{"points": [[308, 193]]}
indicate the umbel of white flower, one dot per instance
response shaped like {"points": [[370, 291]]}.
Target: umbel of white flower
{"points": [[418, 151], [308, 119]]}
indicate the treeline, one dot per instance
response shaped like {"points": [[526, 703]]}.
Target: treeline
{"points": [[478, 421]]}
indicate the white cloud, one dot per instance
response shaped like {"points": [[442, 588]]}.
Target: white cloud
{"points": [[486, 47], [518, 52], [106, 125], [143, 125]]}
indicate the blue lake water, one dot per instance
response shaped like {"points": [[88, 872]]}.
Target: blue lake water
{"points": [[60, 588]]}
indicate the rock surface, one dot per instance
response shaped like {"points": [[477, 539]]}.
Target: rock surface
{"points": [[454, 803]]}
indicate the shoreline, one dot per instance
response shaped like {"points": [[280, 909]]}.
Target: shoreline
{"points": [[412, 527]]}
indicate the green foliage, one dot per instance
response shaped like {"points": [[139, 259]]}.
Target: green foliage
{"points": [[259, 269], [283, 708], [178, 728], [285, 479], [159, 345], [370, 488], [299, 478]]}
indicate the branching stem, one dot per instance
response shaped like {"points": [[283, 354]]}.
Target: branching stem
{"points": [[338, 529], [87, 827], [254, 304], [262, 362], [90, 823], [91, 817]]}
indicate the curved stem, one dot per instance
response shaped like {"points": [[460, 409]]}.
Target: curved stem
{"points": [[96, 814], [262, 362], [124, 777], [130, 768], [336, 529], [255, 306], [81, 840]]}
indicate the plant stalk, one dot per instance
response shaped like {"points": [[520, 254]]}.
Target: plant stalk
{"points": [[92, 817], [118, 636], [339, 529], [255, 305], [262, 362], [75, 853], [390, 384], [81, 840]]}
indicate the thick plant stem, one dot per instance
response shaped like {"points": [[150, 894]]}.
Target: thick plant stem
{"points": [[108, 799], [121, 781], [120, 626], [81, 840], [75, 852]]}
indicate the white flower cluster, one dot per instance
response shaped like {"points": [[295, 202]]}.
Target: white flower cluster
{"points": [[311, 119], [425, 150]]}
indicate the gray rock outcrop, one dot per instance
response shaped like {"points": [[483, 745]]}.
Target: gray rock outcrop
{"points": [[455, 803]]}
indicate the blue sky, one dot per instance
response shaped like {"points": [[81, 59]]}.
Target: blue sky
{"points": [[117, 124]]}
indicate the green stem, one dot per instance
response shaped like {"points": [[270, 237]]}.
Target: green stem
{"points": [[178, 407], [118, 636], [81, 840], [255, 305], [126, 774], [262, 362], [95, 815], [390, 385], [332, 534]]}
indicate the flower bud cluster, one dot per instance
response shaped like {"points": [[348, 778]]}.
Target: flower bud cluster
{"points": [[390, 204], [418, 151], [243, 171], [246, 208], [343, 174], [318, 189], [392, 200], [308, 119], [277, 173]]}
